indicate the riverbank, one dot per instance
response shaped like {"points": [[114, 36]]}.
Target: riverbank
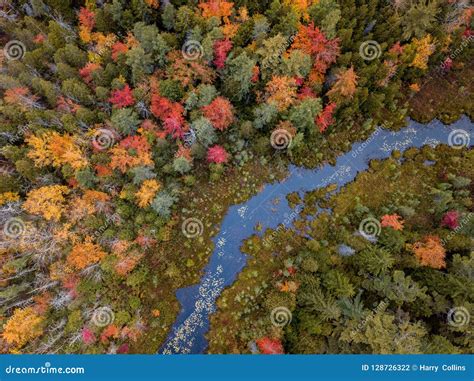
{"points": [[179, 260], [288, 275]]}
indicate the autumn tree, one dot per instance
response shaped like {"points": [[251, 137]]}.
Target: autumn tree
{"points": [[281, 91], [220, 9], [147, 192], [325, 118], [217, 154], [57, 150], [424, 49], [221, 49], [122, 97], [392, 220], [47, 201], [345, 86], [132, 151], [22, 327], [270, 346], [430, 252], [85, 254], [220, 113], [451, 219], [323, 51]]}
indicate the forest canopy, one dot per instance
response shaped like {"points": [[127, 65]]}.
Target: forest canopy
{"points": [[114, 115]]}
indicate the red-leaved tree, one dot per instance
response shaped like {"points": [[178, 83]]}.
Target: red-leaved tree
{"points": [[221, 49], [217, 154], [122, 97], [270, 346], [220, 113], [325, 119]]}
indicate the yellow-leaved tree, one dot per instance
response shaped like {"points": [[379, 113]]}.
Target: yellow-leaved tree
{"points": [[23, 326], [147, 192], [47, 201], [57, 150], [424, 49]]}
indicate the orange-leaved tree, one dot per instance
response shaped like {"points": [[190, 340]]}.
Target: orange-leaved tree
{"points": [[392, 220], [424, 49], [430, 252], [344, 87], [220, 112], [85, 254], [281, 91]]}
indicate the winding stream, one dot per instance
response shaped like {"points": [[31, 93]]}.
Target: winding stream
{"points": [[198, 301]]}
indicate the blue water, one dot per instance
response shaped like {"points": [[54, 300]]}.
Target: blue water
{"points": [[198, 301]]}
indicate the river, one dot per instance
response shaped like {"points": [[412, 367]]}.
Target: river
{"points": [[198, 301]]}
